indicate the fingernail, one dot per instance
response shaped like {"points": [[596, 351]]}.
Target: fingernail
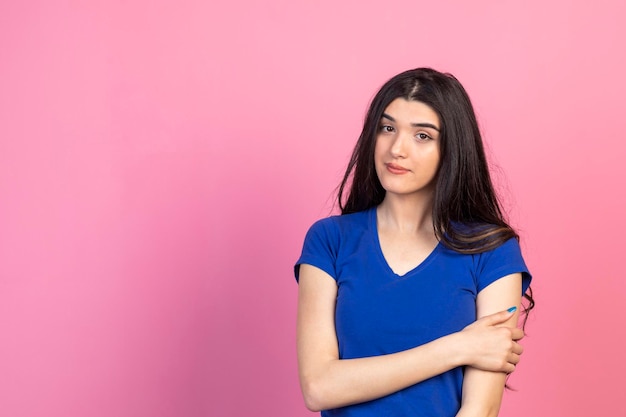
{"points": [[512, 309]]}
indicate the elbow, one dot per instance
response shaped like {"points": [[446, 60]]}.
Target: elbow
{"points": [[312, 405], [313, 394]]}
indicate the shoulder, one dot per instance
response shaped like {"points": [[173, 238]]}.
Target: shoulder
{"points": [[503, 260], [339, 225], [329, 238], [506, 250], [335, 233]]}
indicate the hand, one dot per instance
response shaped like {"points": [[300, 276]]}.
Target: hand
{"points": [[491, 347]]}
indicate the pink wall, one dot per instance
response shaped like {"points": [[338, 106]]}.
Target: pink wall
{"points": [[161, 161]]}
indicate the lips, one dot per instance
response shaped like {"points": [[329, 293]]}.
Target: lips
{"points": [[396, 169]]}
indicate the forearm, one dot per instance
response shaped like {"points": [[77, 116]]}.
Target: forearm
{"points": [[333, 383], [482, 393], [482, 390]]}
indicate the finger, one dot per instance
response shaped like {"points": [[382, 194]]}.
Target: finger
{"points": [[499, 317], [517, 349], [517, 334], [509, 368], [514, 359]]}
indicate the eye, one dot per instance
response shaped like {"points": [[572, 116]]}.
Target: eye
{"points": [[386, 129], [423, 136]]}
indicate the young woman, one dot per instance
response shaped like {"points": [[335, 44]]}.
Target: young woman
{"points": [[408, 301]]}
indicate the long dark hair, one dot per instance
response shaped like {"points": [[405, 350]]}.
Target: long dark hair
{"points": [[467, 215]]}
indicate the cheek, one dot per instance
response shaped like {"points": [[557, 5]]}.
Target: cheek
{"points": [[379, 154], [430, 162], [434, 156]]}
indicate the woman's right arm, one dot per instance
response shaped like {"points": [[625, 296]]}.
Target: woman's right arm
{"points": [[329, 382]]}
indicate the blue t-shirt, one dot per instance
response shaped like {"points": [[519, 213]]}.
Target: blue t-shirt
{"points": [[379, 312]]}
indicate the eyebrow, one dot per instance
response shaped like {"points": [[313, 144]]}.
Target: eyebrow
{"points": [[430, 125]]}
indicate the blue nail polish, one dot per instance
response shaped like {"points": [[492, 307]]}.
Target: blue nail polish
{"points": [[512, 309]]}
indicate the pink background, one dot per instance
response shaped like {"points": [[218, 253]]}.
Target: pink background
{"points": [[160, 162]]}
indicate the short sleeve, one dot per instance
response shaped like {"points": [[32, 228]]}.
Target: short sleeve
{"points": [[320, 248], [504, 260]]}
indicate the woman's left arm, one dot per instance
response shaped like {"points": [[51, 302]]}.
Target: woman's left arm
{"points": [[482, 390]]}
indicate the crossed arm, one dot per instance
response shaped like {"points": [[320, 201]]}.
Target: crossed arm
{"points": [[482, 389], [487, 346]]}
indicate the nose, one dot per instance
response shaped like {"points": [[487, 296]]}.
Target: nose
{"points": [[398, 147]]}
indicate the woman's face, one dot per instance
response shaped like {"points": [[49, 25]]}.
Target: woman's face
{"points": [[407, 148]]}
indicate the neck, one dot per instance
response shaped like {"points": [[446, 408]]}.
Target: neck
{"points": [[406, 213]]}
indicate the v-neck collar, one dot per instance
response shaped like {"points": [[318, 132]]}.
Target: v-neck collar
{"points": [[373, 226]]}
